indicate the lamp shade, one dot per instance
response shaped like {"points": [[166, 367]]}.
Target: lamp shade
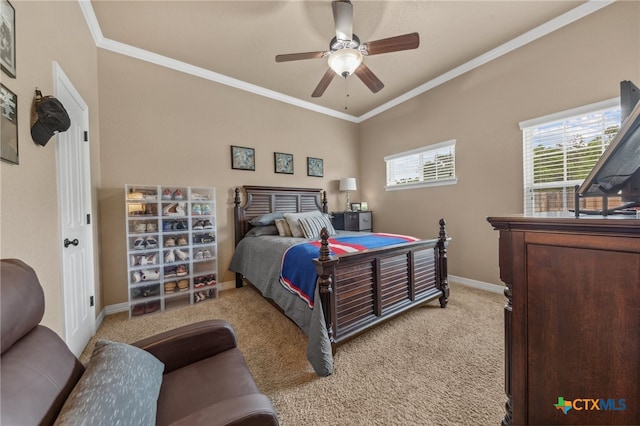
{"points": [[345, 61], [348, 184]]}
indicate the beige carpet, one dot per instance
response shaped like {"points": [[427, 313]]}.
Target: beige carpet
{"points": [[430, 366]]}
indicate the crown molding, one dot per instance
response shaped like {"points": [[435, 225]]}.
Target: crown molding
{"points": [[554, 24]]}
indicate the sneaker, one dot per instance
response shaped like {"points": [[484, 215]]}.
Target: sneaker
{"points": [[206, 209], [177, 195], [181, 271], [152, 227], [167, 226], [151, 242], [199, 282], [198, 226], [207, 238], [180, 209], [183, 285], [207, 254], [181, 255], [199, 255], [181, 225], [169, 287], [140, 227], [211, 279], [134, 260], [137, 277], [169, 272], [150, 275], [140, 244], [196, 209], [170, 209], [199, 197], [207, 225], [166, 194], [170, 242], [182, 241], [151, 259], [170, 257]]}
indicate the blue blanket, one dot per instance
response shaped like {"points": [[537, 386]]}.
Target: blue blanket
{"points": [[298, 273]]}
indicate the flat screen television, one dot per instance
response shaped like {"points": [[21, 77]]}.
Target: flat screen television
{"points": [[617, 172]]}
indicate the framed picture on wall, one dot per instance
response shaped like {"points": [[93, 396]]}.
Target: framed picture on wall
{"points": [[9, 125], [243, 158], [7, 38], [355, 207], [315, 167], [283, 163]]}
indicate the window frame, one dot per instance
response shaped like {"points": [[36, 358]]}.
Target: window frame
{"points": [[564, 186], [418, 154]]}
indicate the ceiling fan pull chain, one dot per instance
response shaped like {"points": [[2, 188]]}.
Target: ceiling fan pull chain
{"points": [[346, 94]]}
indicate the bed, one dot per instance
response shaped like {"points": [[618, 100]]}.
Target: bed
{"points": [[353, 292]]}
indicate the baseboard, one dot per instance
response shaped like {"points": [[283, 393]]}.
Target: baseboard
{"points": [[481, 285], [124, 307]]}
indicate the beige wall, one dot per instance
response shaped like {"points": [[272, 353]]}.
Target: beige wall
{"points": [[46, 32], [158, 126], [162, 127], [577, 65]]}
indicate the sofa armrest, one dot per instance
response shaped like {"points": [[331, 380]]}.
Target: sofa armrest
{"points": [[246, 410], [191, 343]]}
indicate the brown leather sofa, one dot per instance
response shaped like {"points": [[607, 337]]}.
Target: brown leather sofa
{"points": [[205, 378]]}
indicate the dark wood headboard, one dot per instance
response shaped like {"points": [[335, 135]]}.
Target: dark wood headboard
{"points": [[261, 200]]}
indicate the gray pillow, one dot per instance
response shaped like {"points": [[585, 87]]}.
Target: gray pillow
{"points": [[257, 231], [119, 387], [266, 219]]}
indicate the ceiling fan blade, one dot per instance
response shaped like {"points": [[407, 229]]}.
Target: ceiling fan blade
{"points": [[369, 78], [393, 44], [343, 18], [324, 83], [299, 56]]}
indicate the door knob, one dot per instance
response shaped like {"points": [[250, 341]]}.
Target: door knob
{"points": [[68, 242]]}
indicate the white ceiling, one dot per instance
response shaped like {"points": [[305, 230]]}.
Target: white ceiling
{"points": [[235, 42]]}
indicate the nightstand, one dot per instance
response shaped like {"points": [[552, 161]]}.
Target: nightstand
{"points": [[353, 221]]}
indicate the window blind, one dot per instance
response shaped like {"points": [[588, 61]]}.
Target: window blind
{"points": [[559, 153], [426, 166]]}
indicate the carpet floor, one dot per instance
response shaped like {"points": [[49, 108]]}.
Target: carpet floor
{"points": [[429, 366]]}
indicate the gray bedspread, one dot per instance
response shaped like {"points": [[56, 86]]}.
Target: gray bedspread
{"points": [[259, 260]]}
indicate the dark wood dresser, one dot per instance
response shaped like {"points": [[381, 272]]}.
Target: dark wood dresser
{"points": [[572, 319]]}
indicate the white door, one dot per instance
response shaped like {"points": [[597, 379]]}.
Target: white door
{"points": [[76, 218]]}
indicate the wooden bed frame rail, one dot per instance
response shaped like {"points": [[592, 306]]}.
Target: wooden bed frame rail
{"points": [[376, 286]]}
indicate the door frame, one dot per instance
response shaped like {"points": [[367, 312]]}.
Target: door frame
{"points": [[62, 82]]}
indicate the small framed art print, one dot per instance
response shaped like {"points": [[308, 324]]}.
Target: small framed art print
{"points": [[8, 37], [315, 167], [8, 125], [243, 158], [283, 163]]}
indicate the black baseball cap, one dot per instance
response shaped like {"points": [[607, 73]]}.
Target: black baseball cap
{"points": [[48, 117]]}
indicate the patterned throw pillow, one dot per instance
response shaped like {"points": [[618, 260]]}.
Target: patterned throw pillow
{"points": [[311, 226], [120, 387], [292, 220]]}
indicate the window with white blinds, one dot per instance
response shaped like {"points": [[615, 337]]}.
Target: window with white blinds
{"points": [[561, 149], [427, 166]]}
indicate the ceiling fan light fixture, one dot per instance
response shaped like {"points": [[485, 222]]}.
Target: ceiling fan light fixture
{"points": [[345, 61]]}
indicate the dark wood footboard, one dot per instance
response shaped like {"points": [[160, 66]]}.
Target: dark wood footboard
{"points": [[360, 290], [357, 290]]}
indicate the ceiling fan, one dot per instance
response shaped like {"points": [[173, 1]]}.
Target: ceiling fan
{"points": [[346, 53]]}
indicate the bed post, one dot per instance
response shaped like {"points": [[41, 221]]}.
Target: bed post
{"points": [[325, 268], [325, 203], [443, 280], [238, 232]]}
